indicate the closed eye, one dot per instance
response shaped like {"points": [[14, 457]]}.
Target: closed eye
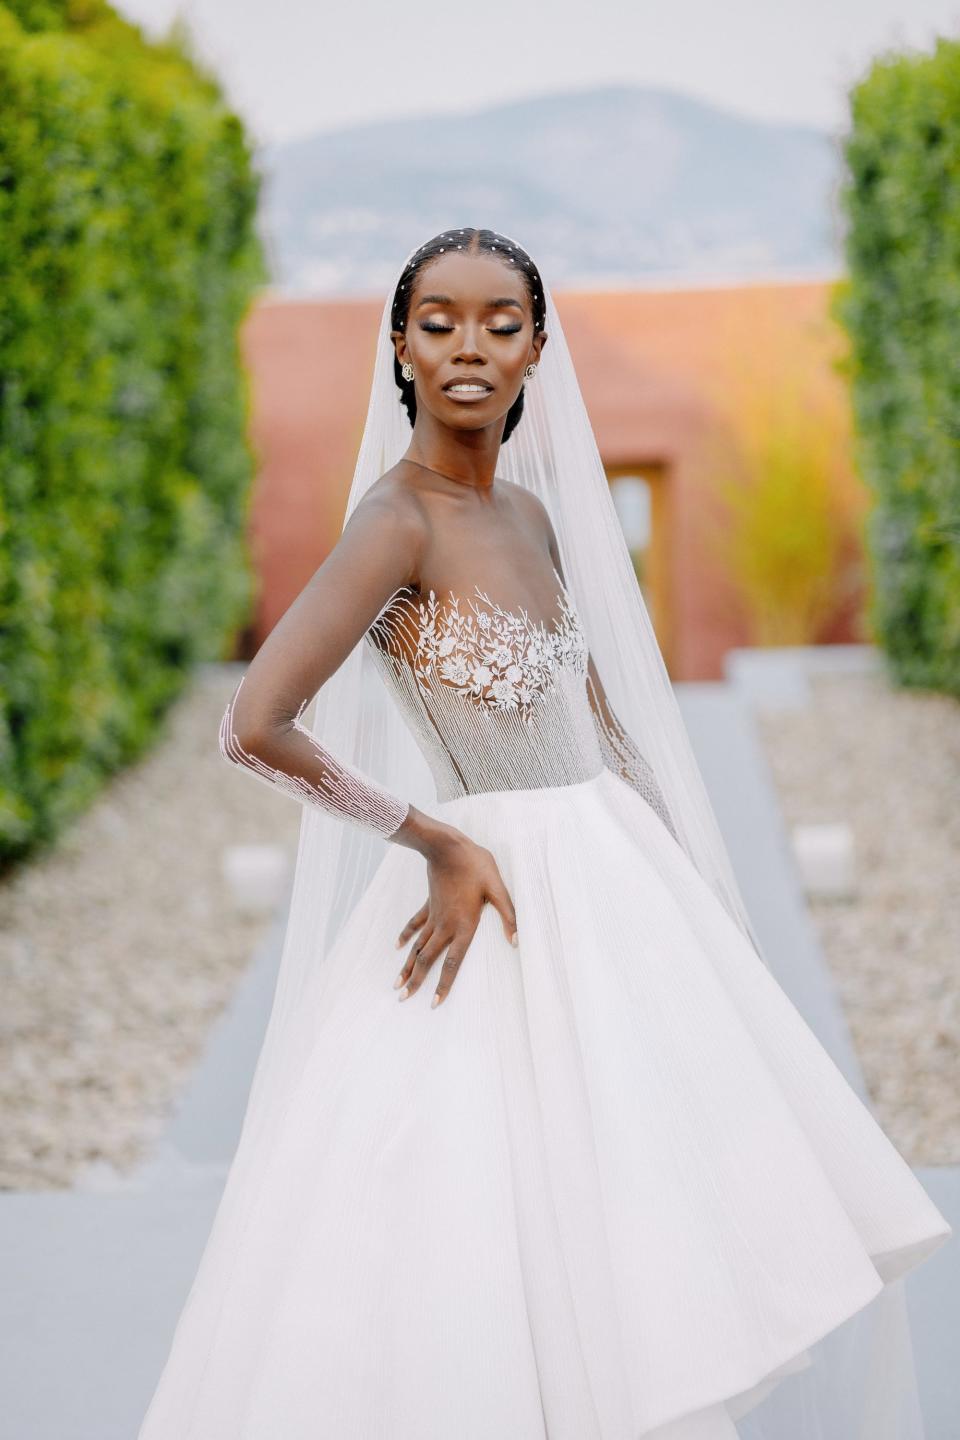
{"points": [[432, 326]]}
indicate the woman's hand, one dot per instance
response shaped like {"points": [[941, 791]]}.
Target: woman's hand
{"points": [[462, 876]]}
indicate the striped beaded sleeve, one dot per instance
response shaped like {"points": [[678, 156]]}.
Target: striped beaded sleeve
{"points": [[262, 731], [289, 758], [620, 753]]}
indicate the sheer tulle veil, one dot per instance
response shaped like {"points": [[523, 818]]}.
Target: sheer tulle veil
{"points": [[858, 1382]]}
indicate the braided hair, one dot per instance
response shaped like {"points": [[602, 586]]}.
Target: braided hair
{"points": [[488, 242]]}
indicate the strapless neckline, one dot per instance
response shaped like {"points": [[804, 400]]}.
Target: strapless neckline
{"points": [[517, 614], [497, 656]]}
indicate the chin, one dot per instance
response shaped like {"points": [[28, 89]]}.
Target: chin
{"points": [[465, 417]]}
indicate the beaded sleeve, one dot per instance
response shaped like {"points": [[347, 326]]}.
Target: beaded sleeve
{"points": [[290, 759], [620, 753]]}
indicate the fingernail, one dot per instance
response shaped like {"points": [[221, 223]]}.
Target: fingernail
{"points": [[434, 1002], [513, 939], [404, 992], [398, 943], [398, 981]]}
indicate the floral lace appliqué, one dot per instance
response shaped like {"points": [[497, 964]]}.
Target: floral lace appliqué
{"points": [[500, 659]]}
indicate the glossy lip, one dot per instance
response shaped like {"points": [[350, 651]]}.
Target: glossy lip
{"points": [[472, 398]]}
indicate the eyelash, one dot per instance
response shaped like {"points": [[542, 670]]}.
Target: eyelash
{"points": [[443, 329]]}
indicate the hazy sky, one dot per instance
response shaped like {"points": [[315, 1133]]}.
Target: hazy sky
{"points": [[293, 67]]}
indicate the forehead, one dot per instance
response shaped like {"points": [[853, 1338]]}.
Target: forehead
{"points": [[470, 278]]}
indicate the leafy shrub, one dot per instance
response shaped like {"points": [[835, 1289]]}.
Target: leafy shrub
{"points": [[127, 260], [789, 508], [901, 308]]}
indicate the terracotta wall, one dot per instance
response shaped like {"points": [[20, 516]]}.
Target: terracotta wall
{"points": [[658, 369]]}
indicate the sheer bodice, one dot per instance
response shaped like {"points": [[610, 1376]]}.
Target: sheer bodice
{"points": [[495, 699]]}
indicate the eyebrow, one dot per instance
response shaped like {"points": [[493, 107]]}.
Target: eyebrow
{"points": [[494, 304]]}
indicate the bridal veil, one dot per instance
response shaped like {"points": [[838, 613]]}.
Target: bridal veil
{"points": [[858, 1382]]}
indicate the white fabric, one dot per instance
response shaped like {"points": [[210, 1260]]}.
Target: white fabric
{"points": [[613, 1187]]}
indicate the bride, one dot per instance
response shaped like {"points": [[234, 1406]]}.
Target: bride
{"points": [[579, 1171]]}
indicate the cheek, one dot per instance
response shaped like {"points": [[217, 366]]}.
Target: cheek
{"points": [[513, 368], [424, 356]]}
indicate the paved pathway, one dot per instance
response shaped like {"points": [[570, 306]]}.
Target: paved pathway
{"points": [[91, 1283]]}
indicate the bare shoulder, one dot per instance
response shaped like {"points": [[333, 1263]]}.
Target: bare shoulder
{"points": [[530, 506], [389, 502]]}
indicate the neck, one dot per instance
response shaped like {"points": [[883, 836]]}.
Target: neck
{"points": [[467, 458]]}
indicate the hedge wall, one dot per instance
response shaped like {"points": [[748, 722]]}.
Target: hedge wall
{"points": [[901, 308], [128, 257]]}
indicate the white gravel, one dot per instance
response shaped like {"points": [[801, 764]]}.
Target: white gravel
{"points": [[120, 946], [887, 763]]}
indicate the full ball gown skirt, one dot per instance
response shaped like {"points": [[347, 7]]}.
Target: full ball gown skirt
{"points": [[612, 1188]]}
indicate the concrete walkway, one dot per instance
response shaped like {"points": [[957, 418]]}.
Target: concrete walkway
{"points": [[91, 1283]]}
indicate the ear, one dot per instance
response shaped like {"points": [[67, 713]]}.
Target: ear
{"points": [[399, 344], [537, 344]]}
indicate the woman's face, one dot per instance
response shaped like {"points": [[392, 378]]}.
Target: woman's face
{"points": [[469, 337]]}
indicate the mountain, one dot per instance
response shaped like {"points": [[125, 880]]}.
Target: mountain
{"points": [[604, 186]]}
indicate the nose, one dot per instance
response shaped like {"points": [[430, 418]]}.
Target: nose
{"points": [[469, 348]]}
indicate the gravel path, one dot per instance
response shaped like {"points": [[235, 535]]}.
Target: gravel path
{"points": [[887, 763], [121, 946]]}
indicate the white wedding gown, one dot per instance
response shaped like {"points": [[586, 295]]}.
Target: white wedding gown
{"points": [[612, 1189]]}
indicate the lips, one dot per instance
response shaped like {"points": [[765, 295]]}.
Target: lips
{"points": [[461, 380]]}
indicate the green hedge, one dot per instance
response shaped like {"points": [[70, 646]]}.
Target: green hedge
{"points": [[128, 257], [901, 308]]}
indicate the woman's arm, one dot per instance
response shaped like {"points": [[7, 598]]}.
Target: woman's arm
{"points": [[377, 553], [620, 753], [261, 730]]}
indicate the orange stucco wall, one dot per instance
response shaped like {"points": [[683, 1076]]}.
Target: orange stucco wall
{"points": [[659, 370]]}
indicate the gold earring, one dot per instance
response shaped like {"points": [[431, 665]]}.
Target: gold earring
{"points": [[406, 370]]}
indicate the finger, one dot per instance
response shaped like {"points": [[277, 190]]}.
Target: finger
{"points": [[411, 960], [412, 978], [428, 954], [404, 973], [413, 924], [450, 968], [499, 896]]}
